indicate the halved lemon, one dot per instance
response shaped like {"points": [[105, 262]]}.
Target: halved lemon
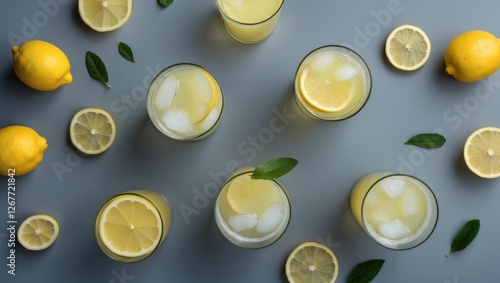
{"points": [[482, 152], [130, 226], [311, 262], [38, 232], [247, 195], [408, 47], [105, 15], [92, 130], [322, 94]]}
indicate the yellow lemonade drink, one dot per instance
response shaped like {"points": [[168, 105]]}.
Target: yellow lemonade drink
{"points": [[250, 21], [398, 211], [131, 226], [252, 213], [332, 83], [185, 102]]}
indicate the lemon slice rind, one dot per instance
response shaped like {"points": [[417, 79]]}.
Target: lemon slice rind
{"points": [[38, 232], [311, 260], [104, 15], [408, 47], [482, 152], [92, 130]]}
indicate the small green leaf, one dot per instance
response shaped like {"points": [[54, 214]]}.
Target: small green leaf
{"points": [[96, 68], [126, 52], [427, 140], [366, 271], [165, 3], [274, 168], [465, 236]]}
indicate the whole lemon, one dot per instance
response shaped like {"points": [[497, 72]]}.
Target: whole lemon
{"points": [[41, 65], [472, 56], [21, 148]]}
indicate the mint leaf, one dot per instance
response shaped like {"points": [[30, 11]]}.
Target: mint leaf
{"points": [[427, 140], [465, 236], [274, 168], [126, 52], [165, 3], [96, 68], [366, 271]]}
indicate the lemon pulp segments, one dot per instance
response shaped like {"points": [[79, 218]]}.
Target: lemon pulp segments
{"points": [[130, 226], [408, 47], [105, 15], [92, 130], [311, 262], [482, 152], [38, 232]]}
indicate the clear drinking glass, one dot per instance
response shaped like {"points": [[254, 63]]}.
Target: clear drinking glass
{"points": [[398, 211], [252, 213], [154, 200], [185, 102], [340, 70], [250, 21]]}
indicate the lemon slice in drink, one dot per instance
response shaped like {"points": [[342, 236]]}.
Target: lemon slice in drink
{"points": [[92, 130], [205, 97], [130, 226], [482, 152], [38, 232], [105, 15], [246, 195], [323, 95], [311, 262], [408, 47]]}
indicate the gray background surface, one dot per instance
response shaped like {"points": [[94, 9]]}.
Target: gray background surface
{"points": [[257, 81]]}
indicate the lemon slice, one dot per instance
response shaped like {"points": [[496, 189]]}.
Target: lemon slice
{"points": [[105, 15], [482, 152], [408, 47], [130, 226], [38, 232], [246, 195], [311, 262], [322, 93], [92, 130], [205, 92]]}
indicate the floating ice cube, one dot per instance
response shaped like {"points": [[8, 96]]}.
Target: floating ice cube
{"points": [[322, 61], [393, 187], [393, 229], [410, 203], [210, 120], [166, 92], [177, 120], [347, 72], [271, 218], [242, 222]]}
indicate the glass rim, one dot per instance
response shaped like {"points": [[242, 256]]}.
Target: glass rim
{"points": [[154, 120], [432, 198], [224, 14], [367, 79]]}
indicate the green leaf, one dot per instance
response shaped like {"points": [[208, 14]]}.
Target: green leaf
{"points": [[366, 271], [465, 236], [427, 140], [126, 52], [96, 68], [165, 3], [274, 168]]}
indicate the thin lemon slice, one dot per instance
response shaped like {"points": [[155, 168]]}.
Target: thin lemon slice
{"points": [[324, 94], [246, 195], [130, 226], [92, 130], [408, 47], [38, 232], [482, 152], [311, 262], [105, 15], [206, 100]]}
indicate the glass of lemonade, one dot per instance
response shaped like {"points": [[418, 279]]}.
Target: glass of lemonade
{"points": [[332, 83], [131, 226], [252, 213], [250, 21], [185, 102], [398, 211]]}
